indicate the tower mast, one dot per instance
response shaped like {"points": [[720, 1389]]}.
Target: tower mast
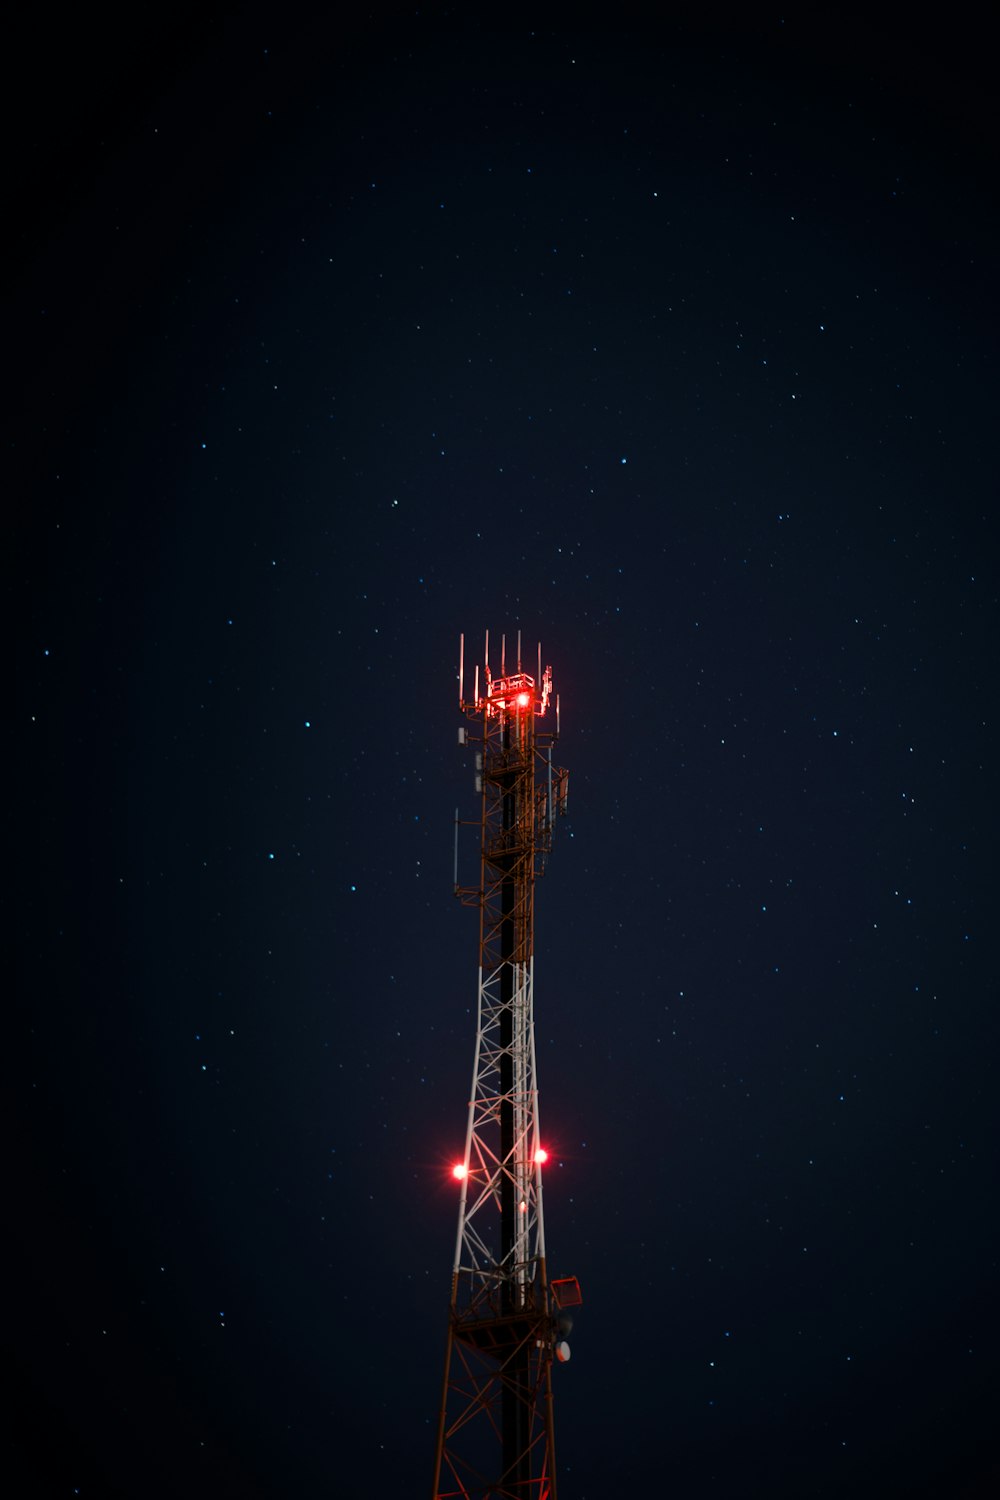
{"points": [[505, 1326]]}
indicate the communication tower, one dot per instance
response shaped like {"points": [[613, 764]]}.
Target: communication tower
{"points": [[507, 1322]]}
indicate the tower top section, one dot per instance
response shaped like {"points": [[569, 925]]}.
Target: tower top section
{"points": [[512, 692]]}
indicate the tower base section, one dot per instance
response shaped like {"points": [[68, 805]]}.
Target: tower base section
{"points": [[495, 1440]]}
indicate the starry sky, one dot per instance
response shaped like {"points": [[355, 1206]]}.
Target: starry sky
{"points": [[671, 345]]}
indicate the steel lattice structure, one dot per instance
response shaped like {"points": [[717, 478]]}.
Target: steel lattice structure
{"points": [[495, 1436]]}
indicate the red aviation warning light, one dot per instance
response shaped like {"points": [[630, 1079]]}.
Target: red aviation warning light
{"points": [[541, 1155], [459, 1171]]}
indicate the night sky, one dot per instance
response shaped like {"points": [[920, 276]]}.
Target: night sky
{"points": [[672, 346]]}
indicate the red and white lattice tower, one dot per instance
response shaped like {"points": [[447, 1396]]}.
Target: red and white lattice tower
{"points": [[507, 1322]]}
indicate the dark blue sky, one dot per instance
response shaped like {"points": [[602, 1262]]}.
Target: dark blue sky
{"points": [[674, 347]]}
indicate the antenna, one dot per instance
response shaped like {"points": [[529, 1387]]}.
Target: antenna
{"points": [[519, 651], [461, 669], [503, 656]]}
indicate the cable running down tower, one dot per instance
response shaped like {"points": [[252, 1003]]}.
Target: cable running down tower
{"points": [[506, 1322]]}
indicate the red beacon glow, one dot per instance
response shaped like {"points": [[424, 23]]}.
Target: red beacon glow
{"points": [[523, 699], [458, 1171], [541, 1155]]}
